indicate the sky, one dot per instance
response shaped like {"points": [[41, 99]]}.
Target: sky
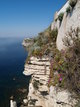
{"points": [[26, 17]]}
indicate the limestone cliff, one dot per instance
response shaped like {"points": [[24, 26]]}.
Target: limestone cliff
{"points": [[39, 93], [38, 65], [71, 20]]}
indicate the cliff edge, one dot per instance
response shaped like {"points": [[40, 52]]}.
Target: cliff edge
{"points": [[53, 61]]}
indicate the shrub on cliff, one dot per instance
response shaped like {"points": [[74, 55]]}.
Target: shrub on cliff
{"points": [[72, 61], [60, 17], [53, 35], [43, 43], [37, 51], [68, 9], [47, 51], [72, 3], [39, 41], [72, 73], [65, 66], [35, 40], [57, 69], [45, 40], [78, 104], [34, 50]]}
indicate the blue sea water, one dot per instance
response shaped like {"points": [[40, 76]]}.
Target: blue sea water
{"points": [[12, 59]]}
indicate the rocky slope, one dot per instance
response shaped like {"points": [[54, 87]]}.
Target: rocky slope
{"points": [[39, 67], [27, 42], [39, 92]]}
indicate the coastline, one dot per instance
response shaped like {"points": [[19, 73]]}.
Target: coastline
{"points": [[47, 87], [12, 81]]}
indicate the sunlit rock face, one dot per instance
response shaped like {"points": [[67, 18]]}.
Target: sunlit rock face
{"points": [[56, 23], [39, 68], [13, 103], [70, 21], [62, 32], [39, 92]]}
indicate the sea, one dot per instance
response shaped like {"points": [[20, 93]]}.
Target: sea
{"points": [[12, 80]]}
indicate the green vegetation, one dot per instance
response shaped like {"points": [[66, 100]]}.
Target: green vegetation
{"points": [[68, 9], [44, 43], [72, 3], [53, 34], [78, 104], [65, 66], [57, 69], [72, 56], [56, 19], [39, 43], [60, 17]]}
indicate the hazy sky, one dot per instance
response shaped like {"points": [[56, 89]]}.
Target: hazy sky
{"points": [[26, 17]]}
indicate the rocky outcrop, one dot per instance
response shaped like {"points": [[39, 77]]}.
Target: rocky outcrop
{"points": [[56, 23], [39, 68], [12, 102], [27, 42], [62, 33], [39, 92]]}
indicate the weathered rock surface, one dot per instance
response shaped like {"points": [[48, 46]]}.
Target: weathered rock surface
{"points": [[69, 21], [27, 42], [39, 68], [44, 96]]}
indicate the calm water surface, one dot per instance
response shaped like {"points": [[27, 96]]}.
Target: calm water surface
{"points": [[12, 59]]}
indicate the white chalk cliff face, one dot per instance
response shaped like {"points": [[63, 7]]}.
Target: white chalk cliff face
{"points": [[69, 21], [39, 92]]}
